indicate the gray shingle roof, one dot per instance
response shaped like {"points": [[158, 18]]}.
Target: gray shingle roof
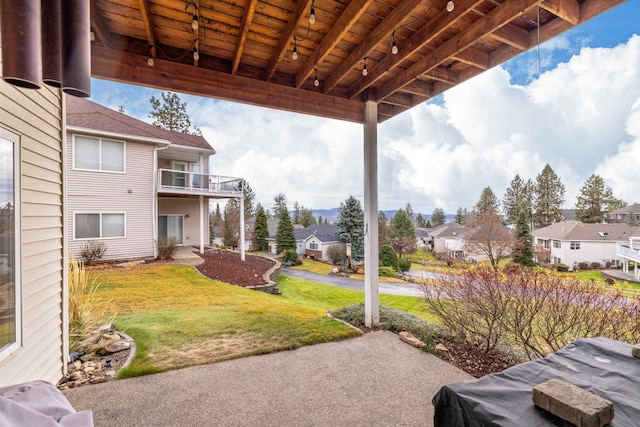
{"points": [[635, 208], [89, 115], [576, 230]]}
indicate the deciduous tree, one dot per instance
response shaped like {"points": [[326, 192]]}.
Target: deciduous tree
{"points": [[231, 229], [489, 237], [383, 229]]}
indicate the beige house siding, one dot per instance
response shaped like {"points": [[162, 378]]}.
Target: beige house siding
{"points": [[191, 225], [131, 193], [35, 116]]}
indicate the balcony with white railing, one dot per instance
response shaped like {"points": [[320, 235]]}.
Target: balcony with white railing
{"points": [[198, 184], [625, 251]]}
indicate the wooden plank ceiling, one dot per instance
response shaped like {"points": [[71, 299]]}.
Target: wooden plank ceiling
{"points": [[245, 47]]}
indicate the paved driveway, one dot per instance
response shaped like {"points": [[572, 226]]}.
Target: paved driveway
{"points": [[373, 380]]}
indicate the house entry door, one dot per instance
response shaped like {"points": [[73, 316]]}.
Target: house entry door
{"points": [[179, 179], [171, 226]]}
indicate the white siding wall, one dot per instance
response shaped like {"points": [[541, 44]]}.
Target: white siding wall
{"points": [[36, 117], [589, 251], [187, 206], [96, 191]]}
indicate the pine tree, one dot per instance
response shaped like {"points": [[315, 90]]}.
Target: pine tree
{"points": [[438, 217], [402, 233], [594, 200], [171, 114], [409, 210], [518, 197], [486, 203], [548, 195], [428, 224], [420, 221], [231, 229], [306, 217], [215, 220], [285, 236], [296, 213], [460, 215], [523, 248], [260, 229], [279, 203], [350, 224], [249, 197]]}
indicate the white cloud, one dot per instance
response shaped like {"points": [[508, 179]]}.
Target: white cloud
{"points": [[581, 117]]}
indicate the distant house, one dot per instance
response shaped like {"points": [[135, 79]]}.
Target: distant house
{"points": [[448, 239], [573, 242], [313, 241], [129, 183], [423, 238], [623, 215]]}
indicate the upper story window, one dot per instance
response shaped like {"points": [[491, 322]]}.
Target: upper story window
{"points": [[98, 154], [9, 246], [575, 245], [556, 244], [313, 246], [99, 225]]}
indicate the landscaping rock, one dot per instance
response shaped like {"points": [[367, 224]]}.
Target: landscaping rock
{"points": [[573, 404], [114, 347], [635, 351], [441, 347], [409, 338]]}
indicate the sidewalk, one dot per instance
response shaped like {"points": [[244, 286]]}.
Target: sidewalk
{"points": [[187, 255], [372, 380]]}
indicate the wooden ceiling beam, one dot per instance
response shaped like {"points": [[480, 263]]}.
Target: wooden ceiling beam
{"points": [[474, 57], [390, 23], [147, 22], [101, 30], [344, 23], [287, 34], [247, 17], [444, 75], [567, 10], [497, 18], [513, 36], [419, 88], [426, 34], [114, 65], [399, 99]]}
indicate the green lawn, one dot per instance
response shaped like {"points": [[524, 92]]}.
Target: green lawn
{"points": [[179, 318]]}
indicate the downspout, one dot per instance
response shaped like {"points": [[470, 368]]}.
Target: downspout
{"points": [[202, 218], [154, 201], [65, 239], [242, 255]]}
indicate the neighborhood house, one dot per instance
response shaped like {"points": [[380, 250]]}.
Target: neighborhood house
{"points": [[313, 241]]}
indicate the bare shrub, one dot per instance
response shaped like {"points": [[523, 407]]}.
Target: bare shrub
{"points": [[537, 310], [92, 251], [166, 247], [335, 254]]}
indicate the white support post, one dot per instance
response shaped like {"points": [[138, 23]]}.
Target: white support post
{"points": [[371, 297], [242, 257], [203, 222]]}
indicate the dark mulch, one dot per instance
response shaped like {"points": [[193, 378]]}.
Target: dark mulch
{"points": [[227, 267], [472, 360]]}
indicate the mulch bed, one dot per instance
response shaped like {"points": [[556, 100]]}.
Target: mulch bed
{"points": [[473, 361], [227, 267]]}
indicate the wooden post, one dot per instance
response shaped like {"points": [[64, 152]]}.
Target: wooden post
{"points": [[371, 297]]}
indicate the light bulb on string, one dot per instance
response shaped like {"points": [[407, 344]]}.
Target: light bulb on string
{"points": [[364, 70], [394, 48], [450, 6], [312, 13], [196, 55], [294, 55], [150, 61], [194, 23]]}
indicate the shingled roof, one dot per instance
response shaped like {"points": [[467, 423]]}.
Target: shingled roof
{"points": [[576, 230], [83, 113]]}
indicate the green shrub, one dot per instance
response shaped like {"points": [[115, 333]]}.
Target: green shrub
{"points": [[290, 257], [92, 251], [562, 267], [166, 247], [388, 257], [404, 265], [387, 272]]}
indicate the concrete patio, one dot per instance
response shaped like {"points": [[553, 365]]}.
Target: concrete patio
{"points": [[374, 379]]}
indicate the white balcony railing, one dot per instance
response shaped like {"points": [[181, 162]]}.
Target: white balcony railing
{"points": [[182, 182], [627, 252]]}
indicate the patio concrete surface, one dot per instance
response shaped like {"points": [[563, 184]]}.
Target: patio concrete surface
{"points": [[372, 380]]}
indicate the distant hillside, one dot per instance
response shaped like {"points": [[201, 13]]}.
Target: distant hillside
{"points": [[332, 214]]}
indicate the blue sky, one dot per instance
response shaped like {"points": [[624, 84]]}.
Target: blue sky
{"points": [[579, 112]]}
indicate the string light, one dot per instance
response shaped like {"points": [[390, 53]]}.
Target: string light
{"points": [[312, 13], [450, 6], [316, 82], [294, 54], [196, 55], [364, 67], [150, 61], [194, 23], [394, 48]]}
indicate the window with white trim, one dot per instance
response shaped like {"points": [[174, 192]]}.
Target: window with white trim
{"points": [[98, 154], [313, 246], [99, 225], [9, 246], [556, 244], [575, 245]]}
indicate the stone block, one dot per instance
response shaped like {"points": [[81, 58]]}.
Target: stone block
{"points": [[574, 404], [409, 338]]}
